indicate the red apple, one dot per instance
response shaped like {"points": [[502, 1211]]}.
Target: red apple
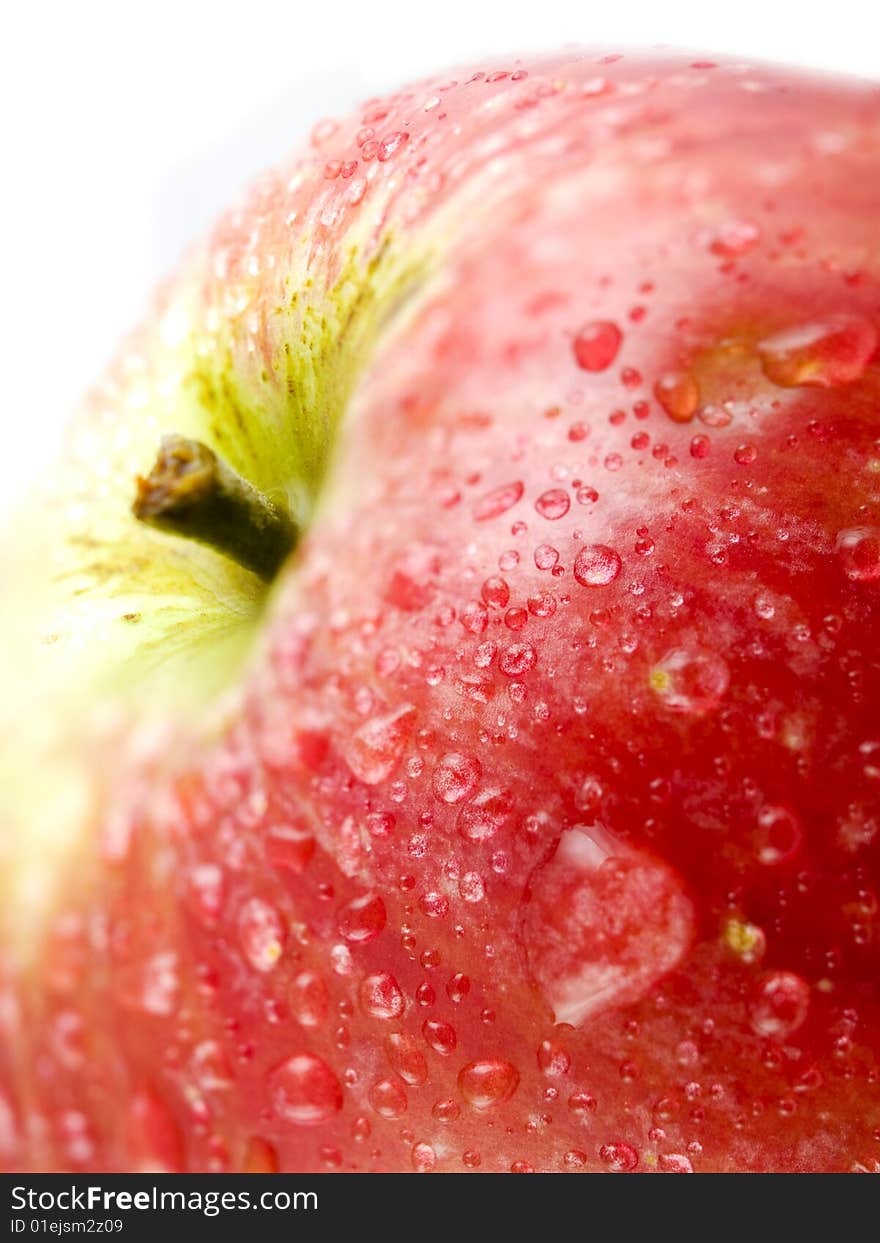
{"points": [[530, 820]]}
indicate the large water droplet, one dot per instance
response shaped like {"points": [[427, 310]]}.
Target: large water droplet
{"points": [[858, 549], [424, 1158], [553, 1059], [458, 987], [485, 815], [380, 996], [691, 681], [406, 1058], [546, 556], [602, 925], [210, 1067], [440, 1036], [309, 999], [362, 919], [675, 1163], [678, 394], [517, 659], [553, 504], [456, 777], [304, 1090], [496, 592], [824, 353], [261, 933], [780, 1004], [619, 1157], [596, 565], [498, 501], [487, 1082], [597, 344], [388, 1098], [778, 835], [474, 617], [374, 750], [289, 847], [388, 146]]}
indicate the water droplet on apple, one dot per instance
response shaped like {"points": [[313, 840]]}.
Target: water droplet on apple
{"points": [[679, 395], [602, 925], [779, 835], [691, 681], [517, 659], [496, 592], [424, 1159], [471, 887], [486, 815], [374, 749], [542, 604], [675, 1163], [745, 454], [434, 905], [261, 934], [388, 1098], [309, 999], [858, 549], [487, 1082], [474, 617], [380, 996], [553, 504], [715, 416], [823, 353], [458, 987], [406, 1058], [546, 556], [596, 565], [744, 939], [498, 501], [780, 1004], [619, 1157], [304, 1090], [289, 847], [361, 920], [446, 1110], [390, 145], [455, 777], [597, 344], [440, 1036], [553, 1059], [210, 1067]]}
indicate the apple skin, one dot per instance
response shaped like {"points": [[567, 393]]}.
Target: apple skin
{"points": [[540, 831]]}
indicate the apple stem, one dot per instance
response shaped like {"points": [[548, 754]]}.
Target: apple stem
{"points": [[193, 493]]}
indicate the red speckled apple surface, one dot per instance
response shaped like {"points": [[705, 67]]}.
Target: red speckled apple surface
{"points": [[538, 828]]}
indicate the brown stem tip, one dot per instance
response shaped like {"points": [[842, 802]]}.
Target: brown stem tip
{"points": [[191, 492]]}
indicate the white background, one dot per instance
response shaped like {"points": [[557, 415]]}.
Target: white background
{"points": [[127, 126]]}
